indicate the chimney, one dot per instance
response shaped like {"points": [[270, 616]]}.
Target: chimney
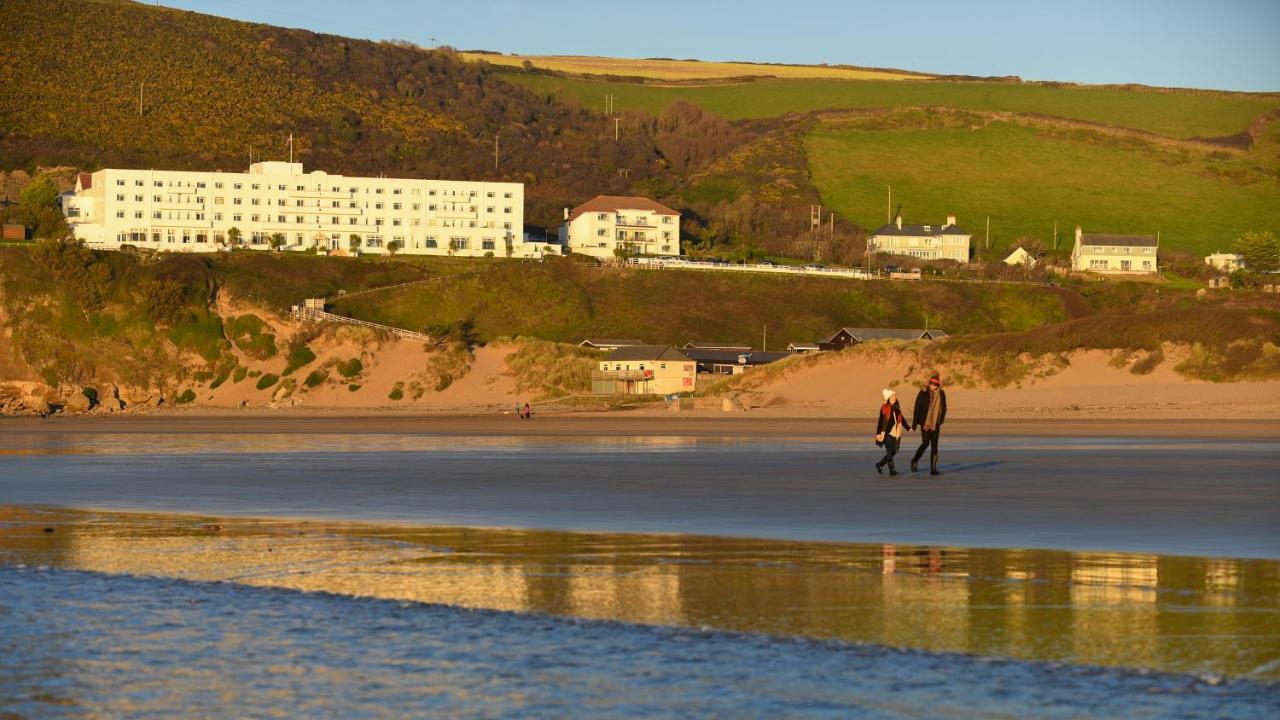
{"points": [[898, 221], [951, 219], [1078, 233], [566, 213]]}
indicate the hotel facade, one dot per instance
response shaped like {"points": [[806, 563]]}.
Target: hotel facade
{"points": [[926, 242], [182, 211]]}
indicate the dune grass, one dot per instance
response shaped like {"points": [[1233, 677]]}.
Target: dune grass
{"points": [[1175, 114], [1025, 180]]}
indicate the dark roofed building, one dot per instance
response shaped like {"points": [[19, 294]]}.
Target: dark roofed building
{"points": [[730, 362], [848, 337], [644, 370], [947, 241], [716, 346], [1112, 253], [647, 352]]}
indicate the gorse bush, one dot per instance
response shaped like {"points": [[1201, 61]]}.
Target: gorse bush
{"points": [[252, 336]]}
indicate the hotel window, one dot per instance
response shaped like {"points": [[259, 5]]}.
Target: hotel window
{"points": [[415, 192], [506, 226], [488, 194], [431, 208], [473, 208], [155, 198], [256, 186], [217, 186], [119, 213], [120, 182], [506, 195], [199, 184], [396, 191], [120, 197], [335, 203], [155, 236], [417, 207], [138, 183], [137, 214], [217, 217], [254, 217], [137, 198], [666, 219], [280, 187], [397, 206], [155, 215], [298, 219], [396, 222], [333, 220], [487, 244], [300, 188], [431, 242], [235, 201], [602, 232], [237, 186], [432, 193], [217, 201], [235, 218], [158, 183], [602, 216], [471, 193], [280, 202], [377, 206], [253, 201], [351, 221], [378, 191], [298, 203]]}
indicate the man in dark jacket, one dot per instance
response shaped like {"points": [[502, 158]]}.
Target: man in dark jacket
{"points": [[930, 412]]}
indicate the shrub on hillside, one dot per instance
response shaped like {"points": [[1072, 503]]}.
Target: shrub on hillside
{"points": [[299, 357], [350, 368], [315, 377], [252, 336], [267, 381]]}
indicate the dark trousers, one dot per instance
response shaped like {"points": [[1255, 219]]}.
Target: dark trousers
{"points": [[890, 449], [928, 439]]}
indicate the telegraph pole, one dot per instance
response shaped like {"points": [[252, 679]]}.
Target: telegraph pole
{"points": [[495, 150], [1055, 234], [615, 129], [889, 209], [988, 232], [140, 85], [764, 343], [290, 148]]}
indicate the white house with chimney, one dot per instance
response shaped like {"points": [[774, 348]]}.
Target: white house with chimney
{"points": [[947, 241], [606, 224], [1226, 262], [1108, 253]]}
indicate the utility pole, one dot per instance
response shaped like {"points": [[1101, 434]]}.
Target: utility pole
{"points": [[140, 85], [988, 232], [433, 43], [495, 149], [764, 343], [889, 209], [1055, 234], [290, 148], [615, 130]]}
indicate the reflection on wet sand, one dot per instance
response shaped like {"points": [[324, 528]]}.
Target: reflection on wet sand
{"points": [[1172, 613]]}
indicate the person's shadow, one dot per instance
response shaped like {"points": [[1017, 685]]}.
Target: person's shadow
{"points": [[973, 466]]}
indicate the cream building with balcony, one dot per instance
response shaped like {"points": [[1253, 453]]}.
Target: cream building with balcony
{"points": [[1104, 253], [926, 242], [645, 370], [634, 225], [183, 211]]}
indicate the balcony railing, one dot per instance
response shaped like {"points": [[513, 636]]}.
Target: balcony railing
{"points": [[622, 375]]}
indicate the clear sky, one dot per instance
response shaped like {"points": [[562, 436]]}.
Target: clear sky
{"points": [[1223, 44]]}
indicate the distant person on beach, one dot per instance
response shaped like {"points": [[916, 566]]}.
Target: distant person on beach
{"points": [[518, 413], [889, 427], [528, 412], [930, 412]]}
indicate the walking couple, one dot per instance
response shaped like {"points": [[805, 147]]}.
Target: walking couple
{"points": [[929, 414]]}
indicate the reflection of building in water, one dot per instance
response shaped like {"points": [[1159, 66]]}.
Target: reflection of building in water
{"points": [[1113, 596], [650, 595]]}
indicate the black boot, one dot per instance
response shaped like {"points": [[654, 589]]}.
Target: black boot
{"points": [[933, 464], [892, 471], [879, 468], [915, 465]]}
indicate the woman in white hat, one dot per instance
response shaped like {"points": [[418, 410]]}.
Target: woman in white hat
{"points": [[889, 427]]}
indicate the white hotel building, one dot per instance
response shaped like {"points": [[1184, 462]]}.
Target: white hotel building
{"points": [[183, 211], [608, 223]]}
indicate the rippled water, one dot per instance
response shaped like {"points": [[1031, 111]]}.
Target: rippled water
{"points": [[1190, 615], [75, 643]]}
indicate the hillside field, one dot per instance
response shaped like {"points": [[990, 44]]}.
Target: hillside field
{"points": [[1174, 114], [671, 69], [1026, 179]]}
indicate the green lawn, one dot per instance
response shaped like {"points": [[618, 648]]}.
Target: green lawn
{"points": [[1025, 181], [1173, 114]]}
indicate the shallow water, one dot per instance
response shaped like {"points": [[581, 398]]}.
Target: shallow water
{"points": [[1185, 496], [1190, 615], [74, 643]]}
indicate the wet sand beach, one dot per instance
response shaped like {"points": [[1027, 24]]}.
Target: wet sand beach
{"points": [[1177, 494]]}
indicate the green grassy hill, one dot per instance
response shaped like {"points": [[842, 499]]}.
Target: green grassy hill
{"points": [[1175, 114], [1027, 179]]}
